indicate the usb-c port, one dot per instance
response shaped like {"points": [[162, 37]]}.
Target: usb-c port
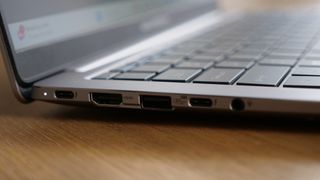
{"points": [[64, 94], [200, 102]]}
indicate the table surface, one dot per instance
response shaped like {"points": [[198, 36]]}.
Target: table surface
{"points": [[46, 141]]}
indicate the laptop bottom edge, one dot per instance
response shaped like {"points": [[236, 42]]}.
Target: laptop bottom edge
{"points": [[68, 89]]}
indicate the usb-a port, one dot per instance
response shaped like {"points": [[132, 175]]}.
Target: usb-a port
{"points": [[156, 102]]}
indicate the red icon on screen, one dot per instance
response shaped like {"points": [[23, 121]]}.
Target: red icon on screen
{"points": [[21, 32]]}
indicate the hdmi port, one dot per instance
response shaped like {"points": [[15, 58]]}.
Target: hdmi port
{"points": [[200, 102], [106, 98]]}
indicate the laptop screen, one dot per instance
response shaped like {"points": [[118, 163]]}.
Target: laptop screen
{"points": [[56, 23], [50, 33]]}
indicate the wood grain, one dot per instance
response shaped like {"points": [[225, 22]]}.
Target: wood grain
{"points": [[44, 141]]}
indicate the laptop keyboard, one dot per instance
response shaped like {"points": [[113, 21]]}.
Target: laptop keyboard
{"points": [[258, 50]]}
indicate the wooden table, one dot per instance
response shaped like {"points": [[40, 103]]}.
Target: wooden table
{"points": [[45, 141]]}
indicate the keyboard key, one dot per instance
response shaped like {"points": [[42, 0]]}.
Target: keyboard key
{"points": [[222, 47], [143, 61], [156, 68], [177, 53], [312, 57], [286, 55], [210, 53], [278, 62], [219, 76], [168, 55], [191, 44], [167, 60], [254, 50], [306, 71], [235, 64], [287, 51], [250, 52], [134, 76], [245, 57], [260, 46], [264, 76], [223, 50], [124, 68], [105, 76], [291, 47], [309, 63], [201, 57], [177, 75], [303, 81], [180, 51], [279, 56], [314, 51], [194, 65]]}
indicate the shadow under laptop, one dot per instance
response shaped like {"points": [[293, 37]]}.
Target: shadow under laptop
{"points": [[233, 121]]}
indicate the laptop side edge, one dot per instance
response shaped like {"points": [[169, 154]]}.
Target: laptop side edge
{"points": [[23, 94]]}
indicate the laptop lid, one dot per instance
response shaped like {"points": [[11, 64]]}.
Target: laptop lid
{"points": [[43, 37]]}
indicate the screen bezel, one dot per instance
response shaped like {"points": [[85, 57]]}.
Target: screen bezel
{"points": [[131, 30]]}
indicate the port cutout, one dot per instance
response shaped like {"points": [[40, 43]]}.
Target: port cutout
{"points": [[238, 104], [106, 98], [64, 94], [156, 102], [200, 102]]}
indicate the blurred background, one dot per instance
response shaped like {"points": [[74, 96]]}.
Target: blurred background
{"points": [[259, 5]]}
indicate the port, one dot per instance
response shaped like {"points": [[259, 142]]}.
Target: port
{"points": [[64, 94], [200, 102], [156, 102], [106, 98], [238, 105]]}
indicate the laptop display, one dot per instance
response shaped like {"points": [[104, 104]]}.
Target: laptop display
{"points": [[61, 31]]}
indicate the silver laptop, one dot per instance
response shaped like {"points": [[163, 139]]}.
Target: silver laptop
{"points": [[162, 55]]}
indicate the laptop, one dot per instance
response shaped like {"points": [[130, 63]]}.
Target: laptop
{"points": [[162, 55]]}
